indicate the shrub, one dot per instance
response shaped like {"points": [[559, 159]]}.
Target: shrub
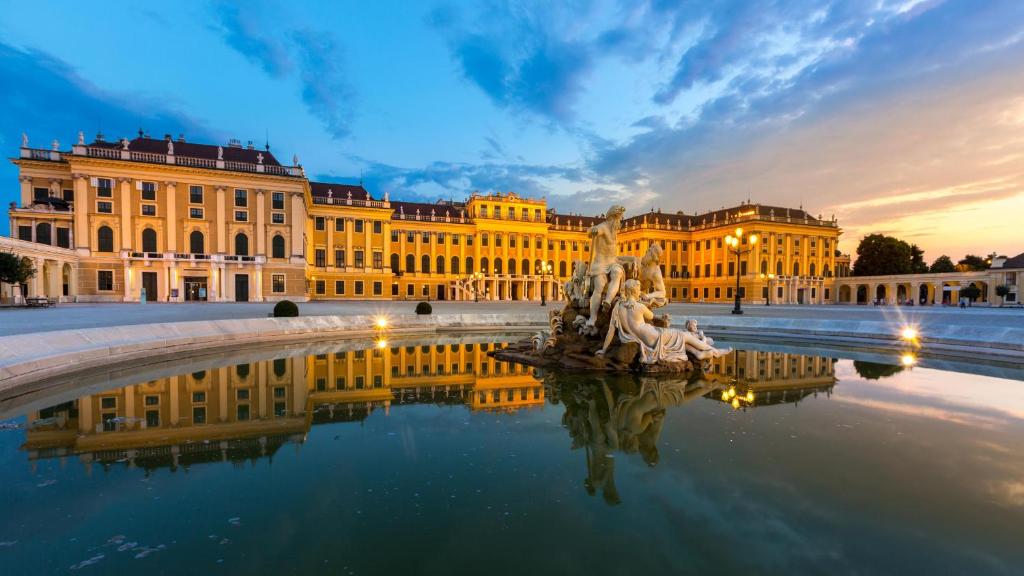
{"points": [[424, 308], [286, 309]]}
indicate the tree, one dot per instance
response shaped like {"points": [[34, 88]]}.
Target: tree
{"points": [[917, 263], [971, 262], [943, 264], [874, 370], [971, 292], [15, 270], [1002, 291], [879, 255]]}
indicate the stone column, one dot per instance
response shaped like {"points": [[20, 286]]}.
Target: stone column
{"points": [[171, 231], [26, 190], [222, 394], [172, 385], [221, 222], [128, 288], [126, 212], [81, 214], [261, 223], [329, 225], [349, 251], [298, 221], [258, 280]]}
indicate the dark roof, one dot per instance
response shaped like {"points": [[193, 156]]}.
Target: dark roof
{"points": [[762, 210], [1015, 262], [440, 209], [574, 219], [336, 190], [661, 217], [207, 151]]}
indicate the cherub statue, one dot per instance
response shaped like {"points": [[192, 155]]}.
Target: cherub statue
{"points": [[575, 287]]}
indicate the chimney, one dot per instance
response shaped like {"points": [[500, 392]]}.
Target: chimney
{"points": [[181, 138], [234, 143], [167, 138], [250, 146]]}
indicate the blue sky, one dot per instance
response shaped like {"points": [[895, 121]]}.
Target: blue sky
{"points": [[904, 117]]}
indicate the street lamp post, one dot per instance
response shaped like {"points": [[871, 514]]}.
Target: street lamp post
{"points": [[476, 276], [733, 241], [770, 277], [544, 269]]}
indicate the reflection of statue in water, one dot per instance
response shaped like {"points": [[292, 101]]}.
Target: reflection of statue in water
{"points": [[624, 414], [652, 283], [630, 321], [605, 269]]}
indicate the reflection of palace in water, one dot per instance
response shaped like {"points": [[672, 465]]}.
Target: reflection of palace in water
{"points": [[762, 378], [252, 409]]}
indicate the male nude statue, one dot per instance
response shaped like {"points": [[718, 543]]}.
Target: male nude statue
{"points": [[605, 270]]}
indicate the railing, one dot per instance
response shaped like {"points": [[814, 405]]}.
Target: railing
{"points": [[158, 158], [432, 218], [340, 201], [195, 162], [111, 153]]}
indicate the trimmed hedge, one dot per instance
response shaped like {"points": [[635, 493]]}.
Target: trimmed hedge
{"points": [[424, 308], [286, 309]]}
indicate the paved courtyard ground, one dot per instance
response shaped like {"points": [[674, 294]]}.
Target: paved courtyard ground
{"points": [[72, 316]]}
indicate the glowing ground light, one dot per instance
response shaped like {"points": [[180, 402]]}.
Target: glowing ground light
{"points": [[908, 360], [909, 333], [750, 396], [382, 343], [735, 402], [725, 396]]}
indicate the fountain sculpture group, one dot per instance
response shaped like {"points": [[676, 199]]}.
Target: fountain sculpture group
{"points": [[608, 323]]}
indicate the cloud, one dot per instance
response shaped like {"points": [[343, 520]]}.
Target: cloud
{"points": [[46, 98], [242, 33], [325, 89]]}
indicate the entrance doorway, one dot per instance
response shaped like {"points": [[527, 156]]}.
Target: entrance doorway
{"points": [[441, 292], [515, 291], [195, 289], [800, 295], [241, 287], [149, 285]]}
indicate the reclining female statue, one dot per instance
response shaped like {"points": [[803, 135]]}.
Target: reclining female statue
{"points": [[630, 319]]}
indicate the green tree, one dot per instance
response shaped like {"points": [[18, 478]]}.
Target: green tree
{"points": [[15, 270], [880, 255], [971, 292], [943, 264], [917, 263], [1002, 291], [972, 262]]}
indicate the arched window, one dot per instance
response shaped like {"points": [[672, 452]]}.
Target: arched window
{"points": [[394, 263], [483, 265], [511, 263], [469, 265], [561, 269], [195, 242], [277, 246], [796, 268], [497, 266], [242, 370], [764, 267], [455, 264], [778, 268], [44, 233], [826, 271], [104, 239], [440, 265], [526, 267], [410, 263], [812, 269], [149, 240], [551, 265], [425, 264], [241, 244]]}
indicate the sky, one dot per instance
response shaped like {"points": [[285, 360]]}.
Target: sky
{"points": [[899, 117]]}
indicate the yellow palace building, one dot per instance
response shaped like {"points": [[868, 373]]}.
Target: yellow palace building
{"points": [[163, 219]]}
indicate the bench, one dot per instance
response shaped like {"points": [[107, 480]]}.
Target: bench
{"points": [[40, 302]]}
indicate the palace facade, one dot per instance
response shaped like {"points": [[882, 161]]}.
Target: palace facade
{"points": [[170, 220]]}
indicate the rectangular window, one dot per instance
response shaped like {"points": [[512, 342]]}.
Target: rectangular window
{"points": [[104, 188], [425, 237], [64, 237], [359, 226], [149, 209], [339, 224], [378, 227], [318, 222], [277, 201], [410, 237], [195, 213], [105, 207], [195, 194], [69, 195], [732, 268], [359, 287], [108, 403], [241, 198], [199, 415], [321, 287], [40, 193], [469, 240], [561, 245], [378, 259], [359, 259], [105, 280], [241, 216], [440, 237], [705, 293], [277, 218], [339, 287], [410, 290], [378, 288], [394, 289], [243, 412], [455, 239], [149, 191], [320, 257], [339, 258], [25, 233], [277, 283]]}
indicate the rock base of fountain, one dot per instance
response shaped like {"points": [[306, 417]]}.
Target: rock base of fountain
{"points": [[571, 345]]}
